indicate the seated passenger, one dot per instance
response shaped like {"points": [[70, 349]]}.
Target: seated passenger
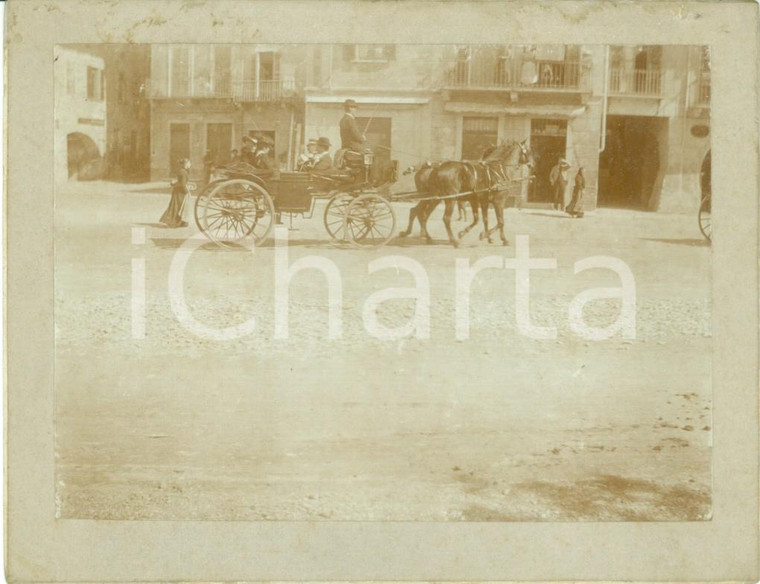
{"points": [[307, 159], [263, 158], [248, 153], [323, 161]]}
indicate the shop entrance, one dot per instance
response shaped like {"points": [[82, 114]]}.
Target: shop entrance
{"points": [[630, 163], [548, 142]]}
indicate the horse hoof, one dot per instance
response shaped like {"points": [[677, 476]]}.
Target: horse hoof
{"points": [[403, 234], [461, 234], [505, 242], [490, 240], [482, 236], [429, 241]]}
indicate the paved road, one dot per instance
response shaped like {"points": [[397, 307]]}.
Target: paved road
{"points": [[496, 427]]}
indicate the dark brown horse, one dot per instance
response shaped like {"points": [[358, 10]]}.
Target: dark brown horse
{"points": [[476, 182], [422, 209], [505, 170]]}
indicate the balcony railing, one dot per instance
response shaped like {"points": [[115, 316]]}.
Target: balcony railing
{"points": [[223, 87], [507, 74], [646, 82]]}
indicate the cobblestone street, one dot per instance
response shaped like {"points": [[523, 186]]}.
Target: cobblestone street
{"points": [[497, 427]]}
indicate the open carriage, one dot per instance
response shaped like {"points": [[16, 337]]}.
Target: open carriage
{"points": [[244, 203]]}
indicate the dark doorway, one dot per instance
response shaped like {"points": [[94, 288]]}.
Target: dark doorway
{"points": [[219, 142], [548, 142], [630, 163], [179, 145], [378, 132]]}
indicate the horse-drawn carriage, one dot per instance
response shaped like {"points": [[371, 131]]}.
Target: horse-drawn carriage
{"points": [[243, 203]]}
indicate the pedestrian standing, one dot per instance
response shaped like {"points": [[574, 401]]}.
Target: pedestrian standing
{"points": [[558, 180], [575, 208], [172, 217]]}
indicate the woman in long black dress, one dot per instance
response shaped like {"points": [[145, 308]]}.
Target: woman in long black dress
{"points": [[575, 208], [172, 217]]}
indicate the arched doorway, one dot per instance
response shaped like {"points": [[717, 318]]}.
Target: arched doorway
{"points": [[83, 157]]}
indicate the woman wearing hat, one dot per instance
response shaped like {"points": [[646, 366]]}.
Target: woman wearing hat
{"points": [[248, 153], [350, 136], [264, 159], [172, 217], [306, 160]]}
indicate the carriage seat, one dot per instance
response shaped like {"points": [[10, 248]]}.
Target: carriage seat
{"points": [[346, 158]]}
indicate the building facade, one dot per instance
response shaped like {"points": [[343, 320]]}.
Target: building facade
{"points": [[205, 98], [127, 70], [80, 114], [636, 118]]}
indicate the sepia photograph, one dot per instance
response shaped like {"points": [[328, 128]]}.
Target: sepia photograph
{"points": [[383, 282]]}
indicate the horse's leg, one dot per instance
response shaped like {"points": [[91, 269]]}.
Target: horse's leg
{"points": [[462, 211], [475, 215], [424, 215], [484, 202], [447, 213], [499, 206], [413, 213]]}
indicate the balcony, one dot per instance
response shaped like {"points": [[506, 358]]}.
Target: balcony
{"points": [[223, 87], [514, 75], [637, 82]]}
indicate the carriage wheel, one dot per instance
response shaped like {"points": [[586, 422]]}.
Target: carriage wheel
{"points": [[370, 221], [335, 215], [235, 210], [200, 202], [705, 218]]}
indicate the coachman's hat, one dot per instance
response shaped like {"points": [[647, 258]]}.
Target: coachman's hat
{"points": [[323, 142], [350, 103]]}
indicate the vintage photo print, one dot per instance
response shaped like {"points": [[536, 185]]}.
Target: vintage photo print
{"points": [[451, 292], [408, 282]]}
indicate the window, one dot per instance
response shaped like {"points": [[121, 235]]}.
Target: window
{"points": [[222, 70], [180, 71], [94, 84], [478, 134], [369, 53]]}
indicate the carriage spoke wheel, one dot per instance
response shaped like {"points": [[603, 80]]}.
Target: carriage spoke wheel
{"points": [[370, 221], [236, 210], [335, 215], [705, 218], [200, 202]]}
